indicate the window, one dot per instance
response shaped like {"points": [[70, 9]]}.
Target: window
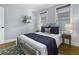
{"points": [[63, 16], [44, 18]]}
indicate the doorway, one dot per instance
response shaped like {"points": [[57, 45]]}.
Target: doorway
{"points": [[1, 25]]}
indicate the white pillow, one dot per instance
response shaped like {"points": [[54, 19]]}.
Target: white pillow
{"points": [[47, 30]]}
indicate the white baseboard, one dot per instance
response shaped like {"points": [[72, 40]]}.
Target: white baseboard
{"points": [[2, 42], [7, 41], [10, 40], [73, 43]]}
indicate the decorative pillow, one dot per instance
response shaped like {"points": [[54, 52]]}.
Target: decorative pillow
{"points": [[47, 30], [54, 30], [42, 29]]}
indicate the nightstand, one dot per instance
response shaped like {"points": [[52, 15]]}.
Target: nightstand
{"points": [[67, 36]]}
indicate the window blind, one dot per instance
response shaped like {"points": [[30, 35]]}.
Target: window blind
{"points": [[63, 16], [44, 18]]}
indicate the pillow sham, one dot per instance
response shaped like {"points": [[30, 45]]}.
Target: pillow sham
{"points": [[54, 30], [42, 29], [47, 30]]}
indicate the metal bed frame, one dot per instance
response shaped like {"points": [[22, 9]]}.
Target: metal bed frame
{"points": [[27, 48]]}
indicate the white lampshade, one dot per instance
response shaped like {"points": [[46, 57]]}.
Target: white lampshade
{"points": [[68, 28]]}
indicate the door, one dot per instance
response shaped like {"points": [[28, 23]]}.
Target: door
{"points": [[1, 25]]}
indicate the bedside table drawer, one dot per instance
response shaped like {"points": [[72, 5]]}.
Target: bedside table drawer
{"points": [[66, 36]]}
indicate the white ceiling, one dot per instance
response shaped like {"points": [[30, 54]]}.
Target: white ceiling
{"points": [[37, 6], [31, 6]]}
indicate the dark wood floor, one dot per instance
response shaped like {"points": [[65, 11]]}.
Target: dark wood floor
{"points": [[66, 50]]}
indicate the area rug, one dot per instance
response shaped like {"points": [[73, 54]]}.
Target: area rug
{"points": [[11, 51], [14, 51]]}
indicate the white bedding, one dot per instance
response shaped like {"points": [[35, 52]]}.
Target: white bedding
{"points": [[41, 47]]}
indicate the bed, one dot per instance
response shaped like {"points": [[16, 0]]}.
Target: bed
{"points": [[36, 48]]}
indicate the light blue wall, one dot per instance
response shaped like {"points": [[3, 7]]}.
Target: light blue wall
{"points": [[75, 22], [13, 21], [51, 16]]}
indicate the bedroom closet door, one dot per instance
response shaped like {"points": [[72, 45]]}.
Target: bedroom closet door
{"points": [[1, 25]]}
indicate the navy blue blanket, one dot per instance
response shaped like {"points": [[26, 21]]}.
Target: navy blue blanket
{"points": [[48, 41]]}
